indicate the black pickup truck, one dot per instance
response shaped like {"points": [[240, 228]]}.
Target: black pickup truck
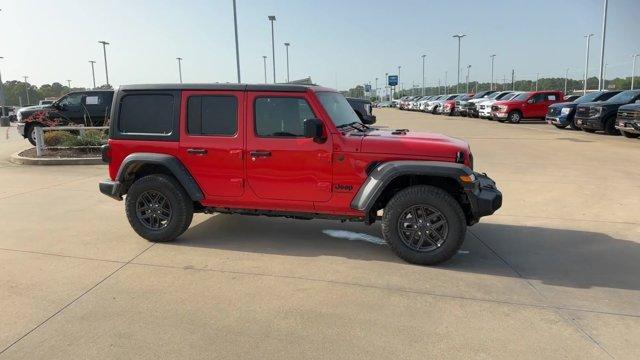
{"points": [[88, 108], [601, 115]]}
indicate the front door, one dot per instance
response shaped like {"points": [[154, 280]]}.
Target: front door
{"points": [[71, 108], [281, 163], [535, 107], [212, 141]]}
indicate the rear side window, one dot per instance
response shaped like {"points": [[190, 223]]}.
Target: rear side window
{"points": [[281, 116], [212, 115], [551, 97], [146, 114]]}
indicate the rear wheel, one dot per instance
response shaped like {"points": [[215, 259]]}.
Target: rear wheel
{"points": [[514, 117], [424, 225], [158, 208], [590, 131], [630, 135], [573, 125], [31, 133], [559, 126]]}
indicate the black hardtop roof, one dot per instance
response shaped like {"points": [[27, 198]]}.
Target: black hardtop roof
{"points": [[225, 86]]}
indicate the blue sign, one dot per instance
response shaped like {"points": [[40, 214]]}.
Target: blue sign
{"points": [[393, 80], [367, 87]]}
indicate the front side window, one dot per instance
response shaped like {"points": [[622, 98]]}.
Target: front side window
{"points": [[282, 116], [146, 114], [71, 100], [338, 108], [212, 115]]}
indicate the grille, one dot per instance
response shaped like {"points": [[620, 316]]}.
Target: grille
{"points": [[482, 107], [582, 111], [495, 108], [628, 115]]}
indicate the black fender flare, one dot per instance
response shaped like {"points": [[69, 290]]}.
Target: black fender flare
{"points": [[383, 174], [133, 161]]}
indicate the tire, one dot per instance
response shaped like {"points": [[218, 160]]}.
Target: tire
{"points": [[423, 250], [30, 131], [590, 131], [573, 125], [560, 126], [610, 127], [630, 135], [179, 203], [514, 117]]}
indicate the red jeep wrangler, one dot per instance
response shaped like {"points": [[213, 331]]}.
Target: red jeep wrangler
{"points": [[287, 150], [527, 105]]}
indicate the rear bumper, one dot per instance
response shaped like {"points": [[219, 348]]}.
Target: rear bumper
{"points": [[111, 189], [484, 198]]}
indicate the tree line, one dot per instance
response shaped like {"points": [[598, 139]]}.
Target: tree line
{"points": [[15, 92]]}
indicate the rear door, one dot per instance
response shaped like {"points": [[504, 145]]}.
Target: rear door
{"points": [[212, 141], [97, 107], [281, 163]]}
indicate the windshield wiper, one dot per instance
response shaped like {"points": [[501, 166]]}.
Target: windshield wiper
{"points": [[356, 125]]}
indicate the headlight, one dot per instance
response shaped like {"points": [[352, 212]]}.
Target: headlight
{"points": [[565, 111], [502, 108], [596, 111]]}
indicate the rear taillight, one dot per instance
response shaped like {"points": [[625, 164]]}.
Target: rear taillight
{"points": [[105, 151]]}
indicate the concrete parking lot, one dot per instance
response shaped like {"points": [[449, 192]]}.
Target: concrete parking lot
{"points": [[554, 274]]}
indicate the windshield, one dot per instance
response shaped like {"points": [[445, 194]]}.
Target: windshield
{"points": [[589, 97], [625, 96], [463, 97], [338, 108], [523, 96]]}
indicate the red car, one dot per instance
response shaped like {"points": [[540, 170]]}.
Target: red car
{"points": [[528, 105], [295, 151]]}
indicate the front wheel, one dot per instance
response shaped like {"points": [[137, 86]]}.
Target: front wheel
{"points": [[630, 135], [559, 126], [514, 117], [590, 131], [31, 134], [158, 208], [424, 225]]}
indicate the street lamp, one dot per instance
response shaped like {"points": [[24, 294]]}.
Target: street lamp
{"points": [[93, 73], [446, 83], [104, 51], [376, 89], [423, 81], [2, 104], [459, 37], [586, 64], [604, 35], [386, 80], [633, 68], [566, 78], [286, 45], [26, 88], [537, 77], [235, 27], [468, 69], [272, 18], [179, 68], [492, 59], [399, 67], [264, 60]]}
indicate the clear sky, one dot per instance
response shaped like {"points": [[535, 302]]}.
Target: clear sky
{"points": [[337, 43]]}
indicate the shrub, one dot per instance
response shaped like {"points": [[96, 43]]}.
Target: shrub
{"points": [[55, 138], [89, 138]]}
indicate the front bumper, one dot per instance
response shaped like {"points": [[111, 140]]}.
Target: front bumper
{"points": [[111, 189], [499, 115], [629, 126], [484, 198], [20, 128], [556, 120], [589, 123]]}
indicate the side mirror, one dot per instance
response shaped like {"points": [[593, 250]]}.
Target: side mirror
{"points": [[368, 119], [530, 101], [313, 129]]}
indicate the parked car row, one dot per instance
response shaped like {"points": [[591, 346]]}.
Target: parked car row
{"points": [[613, 112]]}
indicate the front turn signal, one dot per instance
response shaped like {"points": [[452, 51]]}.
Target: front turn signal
{"points": [[468, 179]]}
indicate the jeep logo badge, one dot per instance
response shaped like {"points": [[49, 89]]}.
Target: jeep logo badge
{"points": [[343, 187]]}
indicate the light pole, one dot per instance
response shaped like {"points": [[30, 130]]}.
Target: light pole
{"points": [[459, 37], [604, 76], [423, 82], [104, 51], [93, 73], [446, 84], [604, 35], [26, 88], [492, 59], [513, 80], [264, 61], [235, 27], [566, 78], [399, 67], [468, 70], [377, 89], [180, 67], [2, 104], [286, 46], [537, 77], [633, 69], [69, 84], [386, 80], [586, 64], [272, 18]]}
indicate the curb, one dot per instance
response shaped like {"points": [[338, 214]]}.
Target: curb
{"points": [[17, 159]]}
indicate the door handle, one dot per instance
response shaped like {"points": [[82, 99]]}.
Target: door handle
{"points": [[197, 151], [259, 153]]}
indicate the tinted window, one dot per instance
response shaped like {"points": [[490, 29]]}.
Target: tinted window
{"points": [[522, 96], [551, 97], [146, 114], [71, 101], [279, 116], [625, 96], [212, 115]]}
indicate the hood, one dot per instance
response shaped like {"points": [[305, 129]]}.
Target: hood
{"points": [[602, 104], [508, 102], [564, 104], [429, 146], [34, 108]]}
